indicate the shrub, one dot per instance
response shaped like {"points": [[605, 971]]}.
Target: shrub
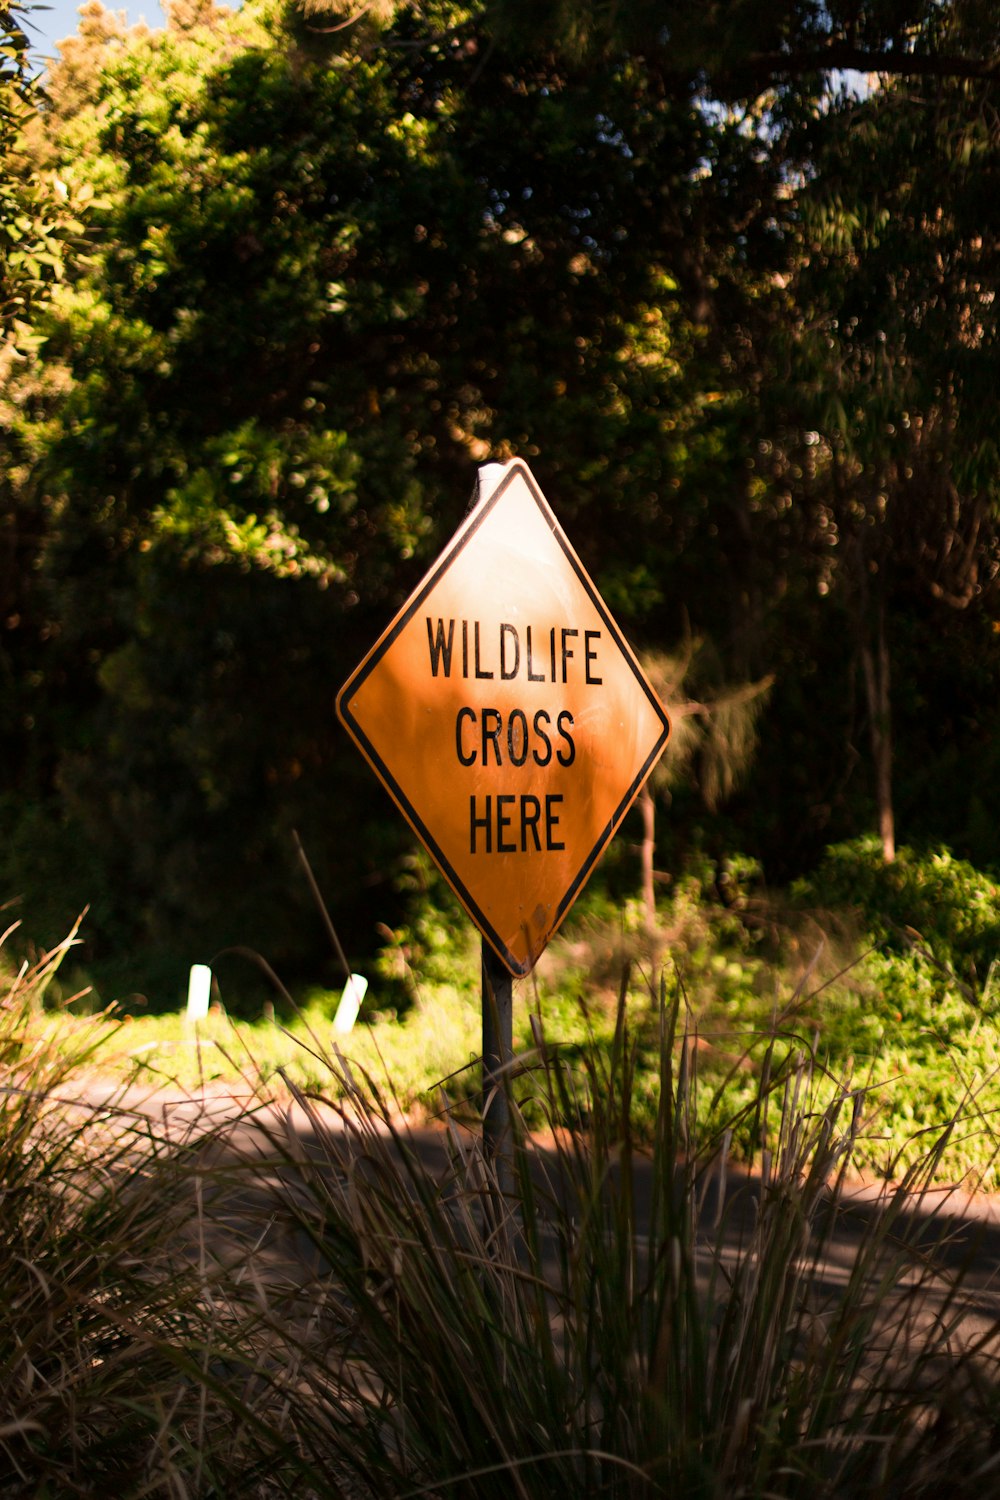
{"points": [[932, 905], [558, 1332]]}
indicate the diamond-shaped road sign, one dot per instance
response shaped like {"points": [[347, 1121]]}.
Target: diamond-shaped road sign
{"points": [[508, 718]]}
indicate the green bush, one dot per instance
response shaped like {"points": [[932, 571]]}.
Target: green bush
{"points": [[931, 905]]}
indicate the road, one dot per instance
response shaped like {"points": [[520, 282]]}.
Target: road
{"points": [[944, 1245]]}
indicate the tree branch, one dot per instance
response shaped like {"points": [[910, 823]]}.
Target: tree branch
{"points": [[842, 57]]}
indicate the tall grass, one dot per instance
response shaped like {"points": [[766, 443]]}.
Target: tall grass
{"points": [[106, 1307], [322, 1302], [622, 1323]]}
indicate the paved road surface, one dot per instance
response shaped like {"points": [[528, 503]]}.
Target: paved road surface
{"points": [[949, 1234]]}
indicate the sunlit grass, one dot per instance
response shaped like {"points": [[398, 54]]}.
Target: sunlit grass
{"points": [[435, 1043], [924, 1046], [219, 1053], [922, 1063]]}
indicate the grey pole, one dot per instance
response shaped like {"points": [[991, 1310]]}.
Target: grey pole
{"points": [[498, 1050]]}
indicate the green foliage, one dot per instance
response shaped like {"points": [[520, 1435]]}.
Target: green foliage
{"points": [[436, 943], [763, 979], [261, 386], [931, 908], [744, 321], [42, 213]]}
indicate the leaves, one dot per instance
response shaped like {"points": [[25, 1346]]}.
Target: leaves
{"points": [[281, 279]]}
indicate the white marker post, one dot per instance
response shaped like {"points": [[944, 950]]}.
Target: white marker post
{"points": [[350, 1003], [199, 992]]}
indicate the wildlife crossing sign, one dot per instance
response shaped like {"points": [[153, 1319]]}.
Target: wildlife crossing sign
{"points": [[507, 716]]}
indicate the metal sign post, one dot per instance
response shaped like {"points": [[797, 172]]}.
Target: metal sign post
{"points": [[498, 1052], [511, 722]]}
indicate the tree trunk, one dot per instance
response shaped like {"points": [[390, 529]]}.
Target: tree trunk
{"points": [[875, 663], [648, 852]]}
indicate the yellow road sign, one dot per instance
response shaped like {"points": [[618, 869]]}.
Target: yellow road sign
{"points": [[508, 718]]}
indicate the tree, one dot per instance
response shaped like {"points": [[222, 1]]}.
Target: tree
{"points": [[338, 260], [42, 241], [331, 278], [870, 367], [896, 347], [713, 739], [41, 213]]}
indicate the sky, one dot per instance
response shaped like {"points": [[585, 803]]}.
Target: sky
{"points": [[59, 19]]}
